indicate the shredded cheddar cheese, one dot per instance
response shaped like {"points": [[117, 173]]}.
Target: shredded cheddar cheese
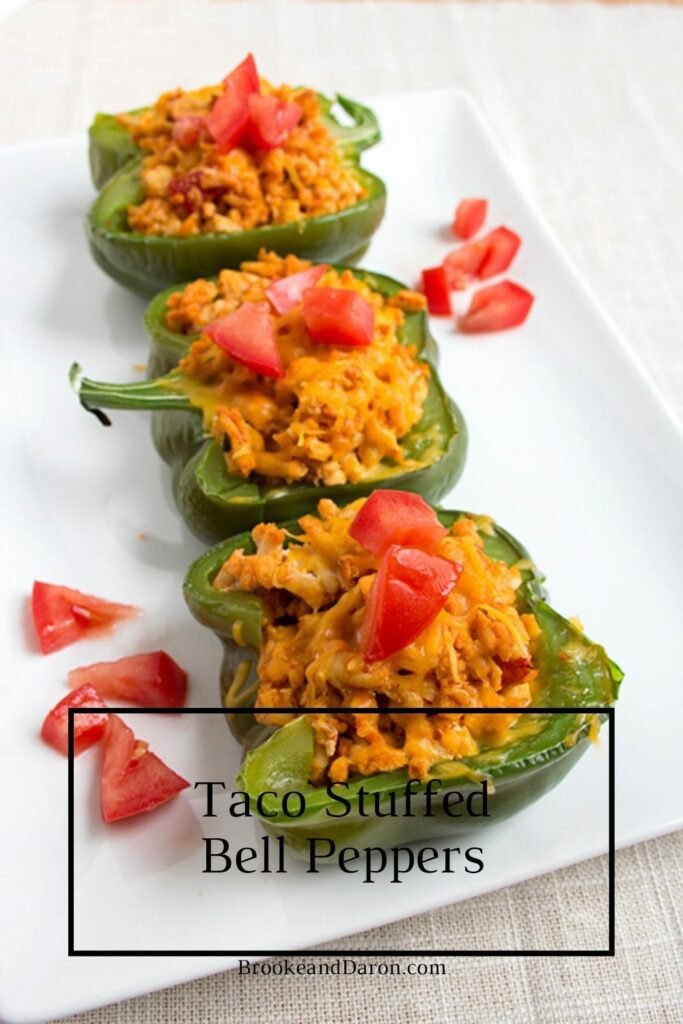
{"points": [[315, 593], [337, 415]]}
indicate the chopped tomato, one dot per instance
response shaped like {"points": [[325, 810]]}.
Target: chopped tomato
{"points": [[228, 120], [469, 217], [88, 729], [62, 616], [515, 670], [437, 291], [501, 248], [396, 517], [248, 336], [188, 130], [271, 120], [243, 79], [407, 594], [338, 316], [133, 779], [462, 265], [287, 293], [496, 308], [153, 680]]}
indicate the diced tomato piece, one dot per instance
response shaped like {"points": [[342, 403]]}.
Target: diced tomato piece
{"points": [[243, 79], [88, 729], [435, 286], [501, 248], [62, 616], [188, 130], [396, 517], [271, 120], [515, 670], [469, 217], [463, 264], [407, 594], [338, 316], [288, 292], [153, 680], [248, 336], [497, 308], [228, 120], [133, 779]]}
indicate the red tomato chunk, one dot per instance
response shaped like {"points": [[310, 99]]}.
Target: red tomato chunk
{"points": [[271, 120], [338, 316], [152, 680], [288, 292], [248, 336], [469, 217], [436, 288], [501, 248], [462, 265], [396, 517], [88, 728], [242, 115], [62, 616], [244, 78], [133, 779], [407, 594], [228, 119], [497, 308]]}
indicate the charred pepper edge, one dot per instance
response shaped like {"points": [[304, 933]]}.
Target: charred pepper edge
{"points": [[200, 479], [236, 619], [146, 263]]}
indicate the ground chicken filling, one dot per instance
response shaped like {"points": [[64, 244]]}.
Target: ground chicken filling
{"points": [[337, 415], [477, 652], [195, 190]]}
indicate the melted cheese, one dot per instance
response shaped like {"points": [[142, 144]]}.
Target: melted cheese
{"points": [[315, 594], [338, 414]]}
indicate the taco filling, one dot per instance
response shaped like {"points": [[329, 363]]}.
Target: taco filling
{"points": [[299, 370], [377, 605], [236, 156]]}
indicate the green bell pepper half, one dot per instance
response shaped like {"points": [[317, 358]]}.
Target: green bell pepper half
{"points": [[216, 503], [574, 673], [147, 263]]}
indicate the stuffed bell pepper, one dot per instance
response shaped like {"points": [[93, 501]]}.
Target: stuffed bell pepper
{"points": [[291, 382], [202, 180], [386, 609]]}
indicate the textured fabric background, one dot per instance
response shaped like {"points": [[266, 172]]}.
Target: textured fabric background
{"points": [[588, 103]]}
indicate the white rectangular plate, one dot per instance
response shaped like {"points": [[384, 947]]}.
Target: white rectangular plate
{"points": [[570, 449]]}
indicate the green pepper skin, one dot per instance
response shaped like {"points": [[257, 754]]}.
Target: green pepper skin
{"points": [[215, 503], [147, 263], [110, 147], [574, 673]]}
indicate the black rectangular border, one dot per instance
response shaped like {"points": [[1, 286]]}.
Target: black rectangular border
{"points": [[609, 712]]}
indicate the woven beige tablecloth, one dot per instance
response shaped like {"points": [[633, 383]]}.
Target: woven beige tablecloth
{"points": [[588, 102]]}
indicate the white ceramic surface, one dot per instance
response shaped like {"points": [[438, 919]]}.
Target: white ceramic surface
{"points": [[570, 449]]}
